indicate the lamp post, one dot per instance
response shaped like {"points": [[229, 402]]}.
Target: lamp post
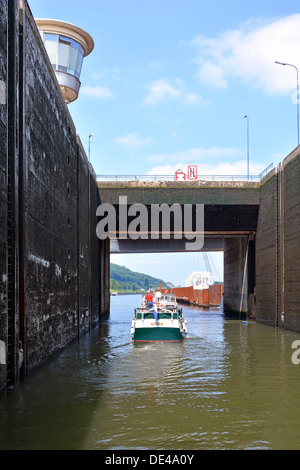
{"points": [[246, 117], [291, 65], [91, 135]]}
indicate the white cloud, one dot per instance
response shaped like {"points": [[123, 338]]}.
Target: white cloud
{"points": [[249, 52], [97, 92], [133, 139], [162, 90], [199, 154], [175, 136], [110, 73], [192, 98], [236, 168]]}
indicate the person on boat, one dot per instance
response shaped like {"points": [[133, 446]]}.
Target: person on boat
{"points": [[149, 299]]}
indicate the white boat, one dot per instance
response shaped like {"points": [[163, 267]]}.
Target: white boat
{"points": [[163, 322]]}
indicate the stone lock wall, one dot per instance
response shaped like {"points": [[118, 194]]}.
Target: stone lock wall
{"points": [[291, 241], [278, 246], [3, 189], [51, 262]]}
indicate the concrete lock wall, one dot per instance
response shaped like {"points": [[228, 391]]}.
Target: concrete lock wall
{"points": [[278, 246], [52, 264], [262, 277], [267, 275], [290, 236], [3, 191]]}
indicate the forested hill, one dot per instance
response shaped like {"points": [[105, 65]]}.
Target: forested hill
{"points": [[123, 278]]}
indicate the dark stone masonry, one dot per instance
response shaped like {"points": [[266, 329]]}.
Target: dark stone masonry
{"points": [[52, 265]]}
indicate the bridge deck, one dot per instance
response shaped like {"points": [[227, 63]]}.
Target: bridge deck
{"points": [[181, 192]]}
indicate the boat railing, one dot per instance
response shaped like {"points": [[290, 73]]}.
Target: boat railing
{"points": [[141, 313]]}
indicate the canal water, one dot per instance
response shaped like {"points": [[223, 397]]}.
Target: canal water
{"points": [[228, 385]]}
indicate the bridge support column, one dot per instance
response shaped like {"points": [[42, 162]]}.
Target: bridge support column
{"points": [[237, 252]]}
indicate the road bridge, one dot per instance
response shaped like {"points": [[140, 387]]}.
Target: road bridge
{"points": [[256, 223], [231, 211]]}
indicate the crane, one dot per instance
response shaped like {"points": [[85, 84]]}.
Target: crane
{"points": [[206, 260], [207, 263]]}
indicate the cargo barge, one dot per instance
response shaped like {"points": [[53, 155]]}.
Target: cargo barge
{"points": [[206, 298]]}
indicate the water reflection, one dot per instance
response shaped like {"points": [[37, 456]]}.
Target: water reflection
{"points": [[228, 385]]}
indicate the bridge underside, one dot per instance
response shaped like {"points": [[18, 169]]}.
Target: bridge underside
{"points": [[220, 222], [211, 243], [230, 229], [239, 262], [230, 222], [163, 246]]}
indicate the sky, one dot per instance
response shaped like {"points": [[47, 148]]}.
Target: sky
{"points": [[168, 85]]}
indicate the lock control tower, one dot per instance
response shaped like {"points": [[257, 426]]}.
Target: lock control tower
{"points": [[67, 45]]}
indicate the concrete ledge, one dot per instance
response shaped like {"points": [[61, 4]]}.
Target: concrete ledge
{"points": [[180, 184]]}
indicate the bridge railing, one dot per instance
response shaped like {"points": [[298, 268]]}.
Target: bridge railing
{"points": [[173, 177], [266, 171]]}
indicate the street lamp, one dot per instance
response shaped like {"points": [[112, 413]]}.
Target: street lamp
{"points": [[246, 117], [91, 135], [291, 65]]}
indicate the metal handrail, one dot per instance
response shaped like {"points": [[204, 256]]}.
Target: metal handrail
{"points": [[266, 170], [173, 177]]}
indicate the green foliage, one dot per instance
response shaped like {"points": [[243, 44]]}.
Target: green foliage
{"points": [[115, 285], [122, 278]]}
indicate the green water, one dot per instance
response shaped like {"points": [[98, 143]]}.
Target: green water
{"points": [[228, 385]]}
